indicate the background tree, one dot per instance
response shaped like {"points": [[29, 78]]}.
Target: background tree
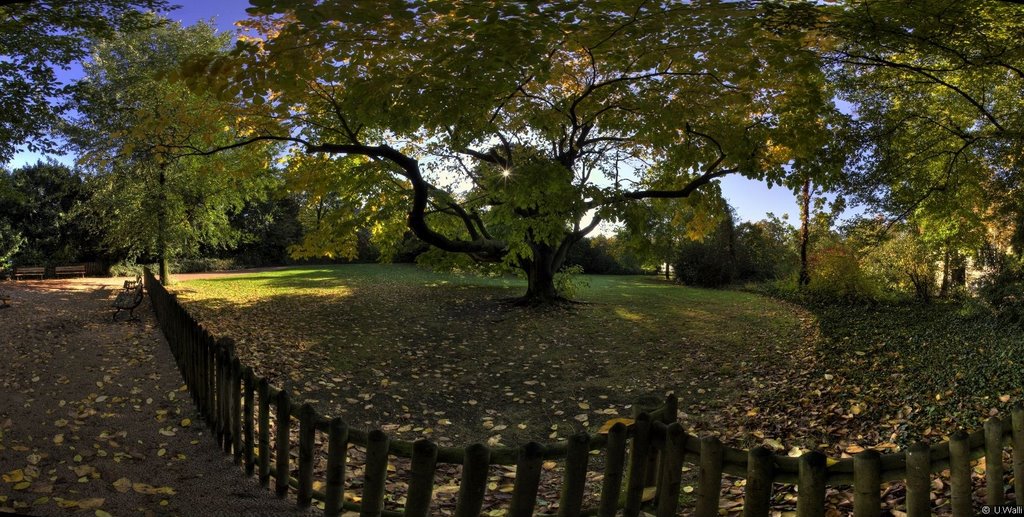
{"points": [[38, 204], [512, 130], [36, 38], [147, 201]]}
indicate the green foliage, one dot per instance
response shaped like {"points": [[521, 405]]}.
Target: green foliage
{"points": [[1002, 290], [601, 256], [494, 131], [267, 227], [149, 199], [127, 268], [836, 273], [710, 262], [569, 281], [903, 262], [765, 250], [11, 241], [36, 38], [39, 205]]}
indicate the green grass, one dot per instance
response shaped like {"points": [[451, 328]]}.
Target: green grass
{"points": [[429, 354]]}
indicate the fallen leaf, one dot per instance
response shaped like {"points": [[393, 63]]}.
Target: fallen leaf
{"points": [[123, 485]]}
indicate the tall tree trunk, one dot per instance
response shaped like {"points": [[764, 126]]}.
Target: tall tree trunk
{"points": [[805, 231], [161, 229], [945, 285], [540, 274]]}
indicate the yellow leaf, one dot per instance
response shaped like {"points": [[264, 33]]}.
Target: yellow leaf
{"points": [[23, 485], [101, 513], [607, 426], [14, 476], [90, 504], [123, 485], [549, 465], [649, 493], [186, 422], [143, 488]]}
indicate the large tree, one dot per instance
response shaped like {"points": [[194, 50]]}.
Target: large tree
{"points": [[38, 37], [149, 201], [509, 130], [936, 86]]}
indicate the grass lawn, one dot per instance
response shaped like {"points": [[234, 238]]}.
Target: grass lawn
{"points": [[426, 354]]}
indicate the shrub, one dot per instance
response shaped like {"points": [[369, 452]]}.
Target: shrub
{"points": [[1003, 291], [708, 263], [126, 268], [836, 272]]}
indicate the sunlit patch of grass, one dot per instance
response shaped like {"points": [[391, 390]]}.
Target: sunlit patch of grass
{"points": [[381, 344], [628, 315]]}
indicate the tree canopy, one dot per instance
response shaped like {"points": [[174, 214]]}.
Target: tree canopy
{"points": [[36, 38], [148, 201], [509, 131]]}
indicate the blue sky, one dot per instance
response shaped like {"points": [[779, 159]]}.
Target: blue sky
{"points": [[751, 199]]}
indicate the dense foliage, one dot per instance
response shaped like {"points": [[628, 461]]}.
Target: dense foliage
{"points": [[38, 37]]}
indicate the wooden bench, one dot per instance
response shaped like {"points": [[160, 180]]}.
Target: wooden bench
{"points": [[130, 284], [128, 300], [29, 271], [70, 270]]}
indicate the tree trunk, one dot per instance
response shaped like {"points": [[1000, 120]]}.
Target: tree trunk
{"points": [[540, 275], [805, 232], [161, 229], [944, 286]]}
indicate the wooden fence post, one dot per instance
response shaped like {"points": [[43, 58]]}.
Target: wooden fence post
{"points": [[709, 484], [337, 452], [1017, 423], [524, 492], [421, 478], [236, 409], [919, 480], [994, 462], [282, 444], [263, 447], [474, 481], [760, 477], [247, 417], [614, 468], [374, 474], [307, 433], [224, 398], [960, 475], [867, 484], [637, 465], [211, 381], [574, 480], [810, 501], [670, 477]]}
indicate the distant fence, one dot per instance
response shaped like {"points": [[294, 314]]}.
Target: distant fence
{"points": [[642, 462]]}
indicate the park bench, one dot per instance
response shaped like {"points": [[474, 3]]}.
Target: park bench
{"points": [[128, 300], [29, 271], [130, 284], [70, 270]]}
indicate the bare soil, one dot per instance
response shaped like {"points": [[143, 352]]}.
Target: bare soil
{"points": [[95, 420]]}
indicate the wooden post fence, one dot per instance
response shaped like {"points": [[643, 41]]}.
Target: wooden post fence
{"points": [[638, 457]]}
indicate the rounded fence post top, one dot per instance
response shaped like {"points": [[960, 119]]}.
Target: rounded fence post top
{"points": [[424, 446]]}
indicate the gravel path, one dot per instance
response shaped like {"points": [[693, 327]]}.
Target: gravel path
{"points": [[94, 419]]}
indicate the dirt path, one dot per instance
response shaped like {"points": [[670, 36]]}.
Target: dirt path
{"points": [[94, 417]]}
